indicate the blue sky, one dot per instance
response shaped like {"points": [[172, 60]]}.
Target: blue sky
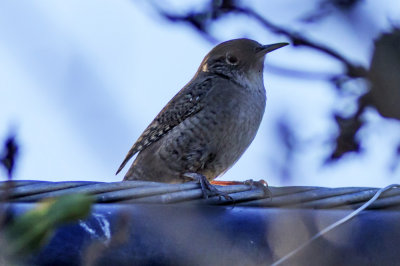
{"points": [[80, 80]]}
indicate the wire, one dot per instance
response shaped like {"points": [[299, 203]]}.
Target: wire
{"points": [[334, 225]]}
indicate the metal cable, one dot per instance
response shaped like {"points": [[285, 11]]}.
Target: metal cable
{"points": [[243, 195]]}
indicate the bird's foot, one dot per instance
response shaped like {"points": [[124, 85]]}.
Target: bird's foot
{"points": [[261, 184], [206, 187], [225, 183]]}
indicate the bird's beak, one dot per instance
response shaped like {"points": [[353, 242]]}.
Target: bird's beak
{"points": [[265, 49]]}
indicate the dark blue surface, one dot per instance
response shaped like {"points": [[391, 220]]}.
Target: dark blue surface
{"points": [[216, 235]]}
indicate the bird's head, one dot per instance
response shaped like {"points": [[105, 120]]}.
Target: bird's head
{"points": [[238, 57]]}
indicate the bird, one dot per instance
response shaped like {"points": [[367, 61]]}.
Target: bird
{"points": [[207, 126]]}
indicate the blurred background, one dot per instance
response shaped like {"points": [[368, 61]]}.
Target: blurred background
{"points": [[80, 81]]}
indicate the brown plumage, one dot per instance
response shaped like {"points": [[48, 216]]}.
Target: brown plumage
{"points": [[208, 125]]}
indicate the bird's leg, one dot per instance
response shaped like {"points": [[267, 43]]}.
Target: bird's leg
{"points": [[225, 183], [261, 184], [206, 187]]}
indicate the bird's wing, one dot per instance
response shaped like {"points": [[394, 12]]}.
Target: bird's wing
{"points": [[184, 104]]}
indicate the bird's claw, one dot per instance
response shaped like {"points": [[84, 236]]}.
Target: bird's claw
{"points": [[207, 188], [260, 184]]}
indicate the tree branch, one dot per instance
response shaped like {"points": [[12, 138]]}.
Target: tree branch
{"points": [[299, 40]]}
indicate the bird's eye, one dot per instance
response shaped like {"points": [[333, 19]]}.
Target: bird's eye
{"points": [[232, 60]]}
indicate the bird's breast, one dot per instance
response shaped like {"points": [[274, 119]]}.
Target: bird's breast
{"points": [[233, 121]]}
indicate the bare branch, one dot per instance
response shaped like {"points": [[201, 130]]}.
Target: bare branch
{"points": [[299, 40]]}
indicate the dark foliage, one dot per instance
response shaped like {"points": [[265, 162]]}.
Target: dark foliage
{"points": [[9, 155]]}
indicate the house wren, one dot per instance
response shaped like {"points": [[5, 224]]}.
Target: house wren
{"points": [[207, 126]]}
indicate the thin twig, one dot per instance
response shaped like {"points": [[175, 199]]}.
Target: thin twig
{"points": [[300, 74], [299, 40]]}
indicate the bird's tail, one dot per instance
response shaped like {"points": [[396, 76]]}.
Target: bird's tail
{"points": [[130, 154]]}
